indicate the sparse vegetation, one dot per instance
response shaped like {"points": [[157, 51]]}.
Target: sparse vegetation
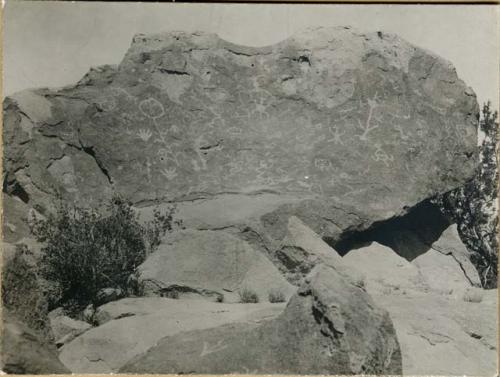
{"points": [[174, 294], [276, 296], [248, 296], [86, 250], [473, 206]]}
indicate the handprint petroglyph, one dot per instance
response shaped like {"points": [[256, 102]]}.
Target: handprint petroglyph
{"points": [[382, 156], [169, 173], [144, 134]]}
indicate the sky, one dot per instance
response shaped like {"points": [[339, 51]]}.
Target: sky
{"points": [[52, 44]]}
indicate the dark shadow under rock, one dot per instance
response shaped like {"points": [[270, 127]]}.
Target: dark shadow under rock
{"points": [[409, 235]]}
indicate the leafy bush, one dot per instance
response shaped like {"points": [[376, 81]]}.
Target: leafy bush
{"points": [[86, 250], [473, 206], [247, 296], [276, 296], [26, 295]]}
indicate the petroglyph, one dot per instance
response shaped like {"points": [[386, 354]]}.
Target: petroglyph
{"points": [[144, 134], [337, 135], [368, 126], [402, 134], [382, 156], [148, 169], [152, 108], [169, 173], [323, 164]]}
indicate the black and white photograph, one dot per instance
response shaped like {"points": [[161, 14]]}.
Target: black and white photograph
{"points": [[209, 188]]}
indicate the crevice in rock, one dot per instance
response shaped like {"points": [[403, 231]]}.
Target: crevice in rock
{"points": [[459, 265], [172, 72], [90, 151], [409, 235], [15, 189]]}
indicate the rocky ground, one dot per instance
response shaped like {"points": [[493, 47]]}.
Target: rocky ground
{"points": [[304, 171]]}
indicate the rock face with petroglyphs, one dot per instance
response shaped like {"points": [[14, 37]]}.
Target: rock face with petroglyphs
{"points": [[367, 121], [271, 156]]}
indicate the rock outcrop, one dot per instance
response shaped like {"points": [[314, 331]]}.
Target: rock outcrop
{"points": [[270, 155], [130, 327], [441, 335], [360, 126], [383, 270], [448, 252], [212, 264], [330, 326], [444, 324]]}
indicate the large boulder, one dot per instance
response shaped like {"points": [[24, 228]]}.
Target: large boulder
{"points": [[441, 335], [447, 265], [132, 326], [445, 325], [338, 127], [25, 351], [329, 327], [384, 271], [214, 264]]}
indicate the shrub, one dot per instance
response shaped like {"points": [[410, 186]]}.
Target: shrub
{"points": [[276, 296], [247, 296], [86, 250], [24, 294]]}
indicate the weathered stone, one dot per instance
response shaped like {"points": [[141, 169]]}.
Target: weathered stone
{"points": [[15, 226], [64, 328], [440, 335], [442, 273], [329, 327], [136, 324], [450, 244], [106, 295], [445, 325], [326, 119], [24, 351], [209, 262], [384, 270], [302, 249]]}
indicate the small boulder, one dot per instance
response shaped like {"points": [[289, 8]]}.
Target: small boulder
{"points": [[106, 295], [64, 328]]}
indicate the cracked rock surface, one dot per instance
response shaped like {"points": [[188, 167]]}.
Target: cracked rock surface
{"points": [[321, 331], [267, 153], [360, 124]]}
